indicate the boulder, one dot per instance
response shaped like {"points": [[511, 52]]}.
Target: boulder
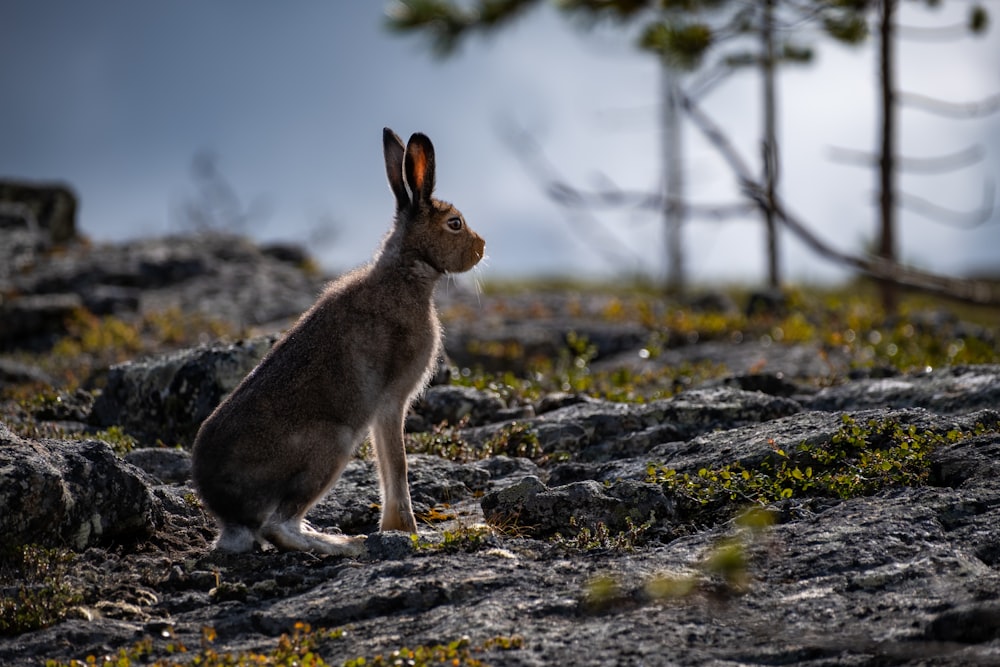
{"points": [[752, 443], [13, 372], [513, 345], [71, 494], [223, 277], [451, 405], [603, 430], [169, 465], [950, 390], [36, 321], [22, 243], [167, 398], [51, 206], [352, 505], [531, 508]]}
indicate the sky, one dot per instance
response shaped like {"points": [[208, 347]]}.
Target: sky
{"points": [[117, 97]]}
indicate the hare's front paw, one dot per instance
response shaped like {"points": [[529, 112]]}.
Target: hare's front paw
{"points": [[400, 519]]}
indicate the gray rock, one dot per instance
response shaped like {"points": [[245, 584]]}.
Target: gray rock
{"points": [[72, 494], [390, 545], [908, 576], [950, 390], [450, 404], [167, 398], [51, 206], [751, 444], [22, 242], [14, 372], [905, 576], [223, 277], [743, 357], [111, 299], [540, 511], [35, 321], [602, 430], [972, 623], [773, 384], [352, 505], [504, 470], [169, 465], [510, 345], [557, 400]]}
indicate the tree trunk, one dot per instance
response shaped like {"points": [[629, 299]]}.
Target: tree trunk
{"points": [[770, 144], [673, 161], [887, 158]]}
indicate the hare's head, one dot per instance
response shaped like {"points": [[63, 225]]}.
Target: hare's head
{"points": [[427, 229]]}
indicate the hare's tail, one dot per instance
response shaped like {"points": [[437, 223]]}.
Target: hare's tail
{"points": [[236, 538]]}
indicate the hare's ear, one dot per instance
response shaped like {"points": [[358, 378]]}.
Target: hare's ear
{"points": [[419, 167], [392, 148]]}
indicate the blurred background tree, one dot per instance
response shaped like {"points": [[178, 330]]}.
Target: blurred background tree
{"points": [[682, 34], [713, 38], [888, 161]]}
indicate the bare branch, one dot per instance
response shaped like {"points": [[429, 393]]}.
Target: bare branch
{"points": [[943, 163], [708, 79], [951, 217], [955, 288], [597, 237], [616, 198], [921, 165], [217, 206], [852, 156], [721, 212], [984, 107], [946, 33]]}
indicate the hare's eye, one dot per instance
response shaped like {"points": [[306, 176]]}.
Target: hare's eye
{"points": [[455, 224]]}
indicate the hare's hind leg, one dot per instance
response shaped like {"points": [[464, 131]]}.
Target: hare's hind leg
{"points": [[397, 511], [297, 535], [330, 447]]}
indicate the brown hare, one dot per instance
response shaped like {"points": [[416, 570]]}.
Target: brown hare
{"points": [[351, 364]]}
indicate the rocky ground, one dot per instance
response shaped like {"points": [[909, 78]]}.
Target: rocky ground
{"points": [[559, 526]]}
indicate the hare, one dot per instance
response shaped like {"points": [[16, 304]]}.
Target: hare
{"points": [[351, 364]]}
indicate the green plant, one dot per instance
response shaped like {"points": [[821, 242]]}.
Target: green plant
{"points": [[176, 327], [466, 538], [93, 342], [34, 399], [603, 592], [848, 321], [115, 436], [860, 459], [460, 652], [89, 334], [600, 537], [40, 594], [571, 371], [516, 439], [442, 440], [301, 648], [726, 562]]}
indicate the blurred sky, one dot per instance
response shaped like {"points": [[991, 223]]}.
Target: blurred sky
{"points": [[116, 97]]}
